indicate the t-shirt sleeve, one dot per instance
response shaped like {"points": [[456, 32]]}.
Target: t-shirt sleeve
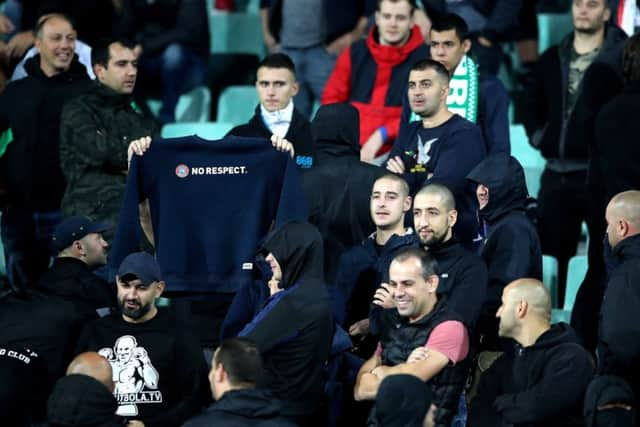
{"points": [[451, 339]]}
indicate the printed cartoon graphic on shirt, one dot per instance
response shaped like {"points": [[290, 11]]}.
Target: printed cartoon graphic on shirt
{"points": [[135, 378]]}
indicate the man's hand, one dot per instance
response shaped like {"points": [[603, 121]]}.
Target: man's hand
{"points": [[384, 296], [138, 147], [281, 144], [371, 147], [274, 287], [270, 42], [418, 354], [19, 43], [381, 372], [6, 26], [485, 41], [135, 423], [361, 327], [395, 165]]}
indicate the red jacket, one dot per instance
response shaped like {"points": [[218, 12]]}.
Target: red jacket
{"points": [[373, 78]]}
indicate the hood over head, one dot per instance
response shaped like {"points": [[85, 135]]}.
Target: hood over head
{"points": [[503, 175], [336, 131], [606, 390], [80, 400], [403, 401], [297, 246]]}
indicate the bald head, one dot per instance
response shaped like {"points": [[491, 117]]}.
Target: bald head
{"points": [[92, 365], [447, 200], [535, 293], [623, 216]]}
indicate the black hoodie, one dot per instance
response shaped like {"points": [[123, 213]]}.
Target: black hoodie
{"points": [[294, 330], [540, 385], [511, 248], [243, 408], [338, 188], [82, 401], [32, 107]]}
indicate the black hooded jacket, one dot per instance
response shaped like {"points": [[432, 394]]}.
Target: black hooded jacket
{"points": [[243, 408], [294, 330], [511, 248], [540, 385], [338, 188], [31, 108], [619, 335], [82, 401], [463, 280]]}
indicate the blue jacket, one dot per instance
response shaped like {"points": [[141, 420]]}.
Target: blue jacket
{"points": [[211, 203]]}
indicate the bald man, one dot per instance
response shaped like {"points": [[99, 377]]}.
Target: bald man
{"points": [[84, 397], [463, 274], [543, 382], [619, 332]]}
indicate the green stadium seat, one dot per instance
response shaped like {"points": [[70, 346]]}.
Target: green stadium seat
{"points": [[208, 130], [550, 277], [236, 33], [576, 271], [552, 28], [237, 104], [193, 106], [530, 159]]}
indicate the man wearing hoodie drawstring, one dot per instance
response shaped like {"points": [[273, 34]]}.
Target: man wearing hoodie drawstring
{"points": [[511, 248], [293, 331], [544, 381]]}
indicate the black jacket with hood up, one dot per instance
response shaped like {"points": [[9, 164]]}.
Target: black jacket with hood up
{"points": [[619, 335], [293, 331], [542, 385], [511, 248], [82, 401], [338, 187]]}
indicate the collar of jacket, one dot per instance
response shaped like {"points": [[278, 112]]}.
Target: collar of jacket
{"points": [[628, 248], [393, 54], [111, 97], [76, 70]]}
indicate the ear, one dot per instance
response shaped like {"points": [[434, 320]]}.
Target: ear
{"points": [[296, 87], [37, 43], [522, 308], [98, 70], [607, 14], [407, 204], [376, 18], [433, 281], [220, 374], [466, 45], [78, 247], [623, 228], [453, 217], [159, 288]]}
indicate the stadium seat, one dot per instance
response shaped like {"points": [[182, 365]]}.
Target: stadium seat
{"points": [[530, 159], [193, 106], [236, 33], [237, 104], [550, 277], [208, 130], [576, 271], [552, 28]]}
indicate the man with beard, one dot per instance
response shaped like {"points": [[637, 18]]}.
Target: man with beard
{"points": [[159, 371], [463, 274]]}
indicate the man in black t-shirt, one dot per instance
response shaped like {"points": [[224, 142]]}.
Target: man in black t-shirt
{"points": [[158, 370]]}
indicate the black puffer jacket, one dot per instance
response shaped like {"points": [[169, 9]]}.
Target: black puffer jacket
{"points": [[511, 248]]}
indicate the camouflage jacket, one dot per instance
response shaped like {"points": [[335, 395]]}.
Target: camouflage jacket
{"points": [[95, 132]]}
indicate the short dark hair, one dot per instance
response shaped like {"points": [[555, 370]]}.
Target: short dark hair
{"points": [[451, 21], [412, 3], [430, 64], [46, 17], [631, 59], [101, 53], [428, 264], [404, 187], [278, 60], [241, 361]]}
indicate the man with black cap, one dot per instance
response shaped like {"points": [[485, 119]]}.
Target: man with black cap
{"points": [[159, 371], [80, 249]]}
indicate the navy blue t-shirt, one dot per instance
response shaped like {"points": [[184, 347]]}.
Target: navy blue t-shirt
{"points": [[211, 203]]}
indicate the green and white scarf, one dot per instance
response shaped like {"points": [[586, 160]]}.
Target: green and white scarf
{"points": [[463, 91]]}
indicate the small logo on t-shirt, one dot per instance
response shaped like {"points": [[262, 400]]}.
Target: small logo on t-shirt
{"points": [[182, 171]]}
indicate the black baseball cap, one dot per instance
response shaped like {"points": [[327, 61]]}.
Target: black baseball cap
{"points": [[75, 228], [142, 266]]}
